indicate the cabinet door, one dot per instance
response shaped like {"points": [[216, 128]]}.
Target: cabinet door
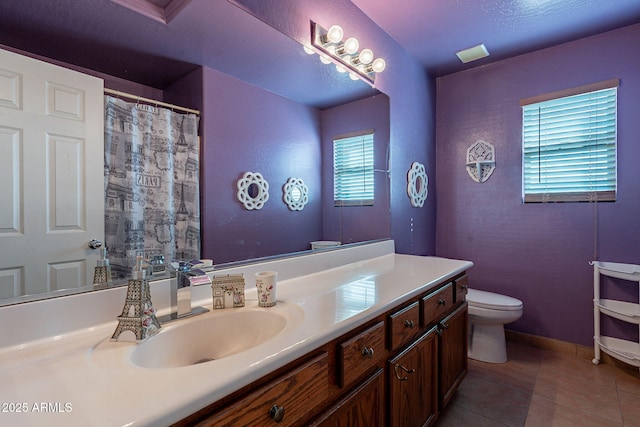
{"points": [[453, 353], [364, 406], [412, 374]]}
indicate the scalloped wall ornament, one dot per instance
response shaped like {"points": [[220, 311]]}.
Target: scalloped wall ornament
{"points": [[295, 194], [253, 190], [481, 161], [417, 185]]}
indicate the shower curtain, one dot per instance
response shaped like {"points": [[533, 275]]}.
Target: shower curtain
{"points": [[151, 175]]}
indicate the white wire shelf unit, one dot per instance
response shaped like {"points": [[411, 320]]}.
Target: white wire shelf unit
{"points": [[623, 350]]}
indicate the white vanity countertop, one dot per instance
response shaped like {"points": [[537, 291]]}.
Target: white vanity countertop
{"points": [[82, 378]]}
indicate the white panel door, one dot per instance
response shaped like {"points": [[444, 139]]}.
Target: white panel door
{"points": [[51, 176]]}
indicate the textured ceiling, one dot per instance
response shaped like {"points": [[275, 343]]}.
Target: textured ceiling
{"points": [[107, 37], [433, 30]]}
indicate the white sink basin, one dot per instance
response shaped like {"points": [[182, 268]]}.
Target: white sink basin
{"points": [[212, 336]]}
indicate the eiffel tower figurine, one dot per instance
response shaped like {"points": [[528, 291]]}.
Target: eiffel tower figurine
{"points": [[138, 314]]}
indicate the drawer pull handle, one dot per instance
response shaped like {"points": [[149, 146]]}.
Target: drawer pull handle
{"points": [[276, 413], [367, 352], [441, 328], [464, 287], [441, 301], [409, 323], [399, 366]]}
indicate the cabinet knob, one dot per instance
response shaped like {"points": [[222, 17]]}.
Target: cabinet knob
{"points": [[441, 301], [276, 413], [400, 367], [409, 323], [367, 352]]}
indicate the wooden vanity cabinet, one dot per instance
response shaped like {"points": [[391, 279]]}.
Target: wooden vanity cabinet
{"points": [[400, 369], [412, 376], [461, 288], [452, 353], [437, 304], [404, 325], [285, 400], [360, 354], [361, 407]]}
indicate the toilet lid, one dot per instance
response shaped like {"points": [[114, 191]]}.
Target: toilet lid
{"points": [[492, 301]]}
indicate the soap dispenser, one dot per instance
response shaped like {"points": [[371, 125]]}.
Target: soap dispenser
{"points": [[102, 273], [138, 314]]}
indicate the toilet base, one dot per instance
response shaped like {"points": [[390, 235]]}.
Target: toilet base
{"points": [[487, 343]]}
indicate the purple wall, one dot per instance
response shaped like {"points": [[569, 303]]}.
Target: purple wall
{"points": [[357, 223], [246, 128], [411, 93], [287, 149], [538, 253]]}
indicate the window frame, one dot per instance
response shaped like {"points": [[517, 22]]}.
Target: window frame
{"points": [[576, 196]]}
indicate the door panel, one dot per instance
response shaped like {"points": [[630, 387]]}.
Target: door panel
{"points": [[51, 175]]}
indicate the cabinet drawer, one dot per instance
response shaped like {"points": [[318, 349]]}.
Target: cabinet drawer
{"points": [[294, 393], [404, 325], [437, 304], [461, 286], [360, 354]]}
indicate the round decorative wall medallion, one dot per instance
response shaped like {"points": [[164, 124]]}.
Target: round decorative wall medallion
{"points": [[417, 185], [295, 194], [253, 190]]}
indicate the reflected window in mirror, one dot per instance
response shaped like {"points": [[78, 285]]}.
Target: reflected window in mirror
{"points": [[353, 183]]}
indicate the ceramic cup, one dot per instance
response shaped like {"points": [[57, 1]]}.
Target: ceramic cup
{"points": [[266, 282]]}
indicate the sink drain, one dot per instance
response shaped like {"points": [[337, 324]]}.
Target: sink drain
{"points": [[197, 362]]}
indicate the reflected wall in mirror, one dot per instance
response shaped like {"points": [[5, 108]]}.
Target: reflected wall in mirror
{"points": [[284, 139], [273, 129]]}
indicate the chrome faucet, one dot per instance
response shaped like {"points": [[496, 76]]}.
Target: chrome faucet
{"points": [[182, 280]]}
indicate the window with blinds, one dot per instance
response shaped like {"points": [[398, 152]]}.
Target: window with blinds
{"points": [[353, 183], [569, 145]]}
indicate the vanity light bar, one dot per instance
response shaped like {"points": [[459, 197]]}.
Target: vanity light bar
{"points": [[345, 54]]}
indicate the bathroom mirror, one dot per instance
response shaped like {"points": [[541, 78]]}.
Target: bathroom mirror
{"points": [[338, 89]]}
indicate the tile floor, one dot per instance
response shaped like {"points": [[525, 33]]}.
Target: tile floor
{"points": [[539, 388]]}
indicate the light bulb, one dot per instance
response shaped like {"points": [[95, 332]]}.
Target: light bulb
{"points": [[353, 76], [366, 56], [334, 34], [340, 69], [378, 65], [351, 45], [308, 50], [324, 59]]}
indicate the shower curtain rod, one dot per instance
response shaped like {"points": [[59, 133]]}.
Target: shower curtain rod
{"points": [[150, 101]]}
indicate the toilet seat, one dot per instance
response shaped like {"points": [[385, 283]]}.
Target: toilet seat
{"points": [[492, 301]]}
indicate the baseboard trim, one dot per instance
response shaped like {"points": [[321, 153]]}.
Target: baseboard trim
{"points": [[558, 346]]}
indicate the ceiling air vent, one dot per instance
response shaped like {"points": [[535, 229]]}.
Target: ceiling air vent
{"points": [[473, 53]]}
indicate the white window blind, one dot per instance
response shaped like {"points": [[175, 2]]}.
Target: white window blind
{"points": [[569, 148], [353, 183]]}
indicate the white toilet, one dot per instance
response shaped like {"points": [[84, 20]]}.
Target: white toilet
{"points": [[488, 313]]}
